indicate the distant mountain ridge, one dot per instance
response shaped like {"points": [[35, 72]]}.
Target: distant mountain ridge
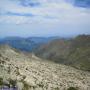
{"points": [[26, 44], [74, 52]]}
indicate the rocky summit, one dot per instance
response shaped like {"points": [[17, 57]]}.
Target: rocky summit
{"points": [[28, 72]]}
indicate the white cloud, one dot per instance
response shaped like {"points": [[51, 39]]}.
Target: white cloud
{"points": [[54, 10]]}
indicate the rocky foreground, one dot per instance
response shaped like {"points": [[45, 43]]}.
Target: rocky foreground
{"points": [[28, 72]]}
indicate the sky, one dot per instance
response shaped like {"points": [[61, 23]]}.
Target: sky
{"points": [[27, 18]]}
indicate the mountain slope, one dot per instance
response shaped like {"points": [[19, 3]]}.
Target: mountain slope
{"points": [[75, 52], [54, 50], [28, 72], [79, 56]]}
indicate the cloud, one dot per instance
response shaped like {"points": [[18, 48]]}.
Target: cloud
{"points": [[29, 3], [19, 14], [44, 17], [27, 11], [82, 3]]}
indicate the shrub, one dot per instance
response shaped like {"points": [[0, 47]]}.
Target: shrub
{"points": [[12, 82], [1, 81], [26, 86], [72, 88]]}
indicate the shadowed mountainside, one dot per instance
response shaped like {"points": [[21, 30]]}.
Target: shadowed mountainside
{"points": [[74, 52]]}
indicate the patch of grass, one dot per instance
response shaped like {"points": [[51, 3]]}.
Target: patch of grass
{"points": [[12, 82], [1, 81], [57, 88], [26, 86], [72, 88]]}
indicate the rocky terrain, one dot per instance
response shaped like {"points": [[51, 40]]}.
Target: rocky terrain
{"points": [[28, 72]]}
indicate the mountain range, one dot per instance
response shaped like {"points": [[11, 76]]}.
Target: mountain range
{"points": [[74, 52], [26, 44]]}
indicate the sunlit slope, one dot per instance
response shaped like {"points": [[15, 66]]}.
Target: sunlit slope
{"points": [[29, 72]]}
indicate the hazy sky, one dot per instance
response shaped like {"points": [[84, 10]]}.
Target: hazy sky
{"points": [[44, 17]]}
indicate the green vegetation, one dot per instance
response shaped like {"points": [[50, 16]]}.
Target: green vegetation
{"points": [[12, 82], [72, 88], [1, 81], [57, 88], [26, 86]]}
